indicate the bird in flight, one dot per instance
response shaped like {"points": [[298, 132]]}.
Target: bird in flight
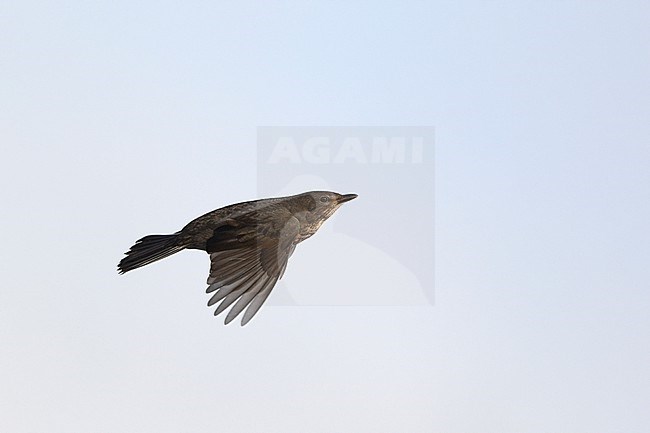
{"points": [[249, 245]]}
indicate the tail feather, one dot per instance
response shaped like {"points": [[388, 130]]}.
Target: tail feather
{"points": [[148, 250]]}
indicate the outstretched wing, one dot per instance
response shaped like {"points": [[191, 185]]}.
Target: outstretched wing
{"points": [[248, 256]]}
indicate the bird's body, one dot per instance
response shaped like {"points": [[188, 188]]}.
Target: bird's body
{"points": [[249, 245]]}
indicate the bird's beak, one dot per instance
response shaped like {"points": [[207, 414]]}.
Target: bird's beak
{"points": [[347, 197]]}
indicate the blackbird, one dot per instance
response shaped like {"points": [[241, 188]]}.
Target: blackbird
{"points": [[249, 245]]}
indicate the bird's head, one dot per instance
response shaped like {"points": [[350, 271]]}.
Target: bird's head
{"points": [[320, 205]]}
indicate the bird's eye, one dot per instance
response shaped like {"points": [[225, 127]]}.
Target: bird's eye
{"points": [[324, 199]]}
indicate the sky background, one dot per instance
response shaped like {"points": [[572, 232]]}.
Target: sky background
{"points": [[119, 119]]}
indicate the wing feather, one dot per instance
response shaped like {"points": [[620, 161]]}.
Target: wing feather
{"points": [[234, 295], [247, 297], [258, 300], [242, 282], [247, 258]]}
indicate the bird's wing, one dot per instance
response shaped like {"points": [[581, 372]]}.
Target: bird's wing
{"points": [[248, 256]]}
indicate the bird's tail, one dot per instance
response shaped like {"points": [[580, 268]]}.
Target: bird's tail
{"points": [[148, 250]]}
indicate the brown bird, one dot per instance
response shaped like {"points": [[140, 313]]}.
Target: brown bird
{"points": [[249, 245]]}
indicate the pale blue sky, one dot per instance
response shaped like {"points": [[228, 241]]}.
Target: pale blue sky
{"points": [[120, 119]]}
